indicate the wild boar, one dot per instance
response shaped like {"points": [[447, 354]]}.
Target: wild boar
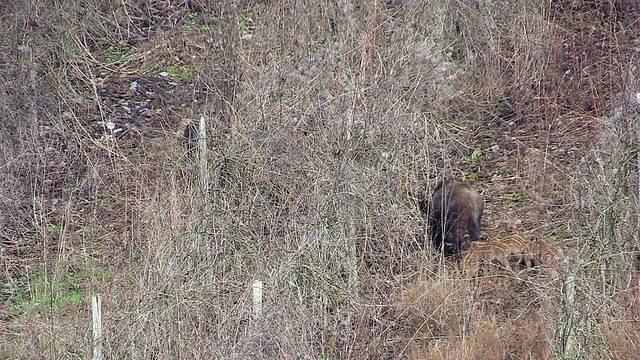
{"points": [[513, 248], [455, 209]]}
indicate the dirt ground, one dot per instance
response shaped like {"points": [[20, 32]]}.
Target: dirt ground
{"points": [[324, 123]]}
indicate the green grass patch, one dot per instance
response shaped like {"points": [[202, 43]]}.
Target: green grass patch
{"points": [[118, 54], [39, 293], [180, 73]]}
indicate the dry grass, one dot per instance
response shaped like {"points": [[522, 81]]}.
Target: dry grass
{"points": [[323, 120]]}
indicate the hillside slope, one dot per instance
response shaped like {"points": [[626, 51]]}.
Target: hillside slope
{"points": [[166, 155]]}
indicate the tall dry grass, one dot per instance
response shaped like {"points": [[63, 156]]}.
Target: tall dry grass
{"points": [[323, 120]]}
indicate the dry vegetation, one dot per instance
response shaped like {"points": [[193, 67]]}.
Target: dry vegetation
{"points": [[324, 119]]}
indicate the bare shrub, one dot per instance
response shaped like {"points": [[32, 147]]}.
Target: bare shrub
{"points": [[321, 120]]}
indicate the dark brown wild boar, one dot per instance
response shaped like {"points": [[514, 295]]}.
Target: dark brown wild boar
{"points": [[455, 209]]}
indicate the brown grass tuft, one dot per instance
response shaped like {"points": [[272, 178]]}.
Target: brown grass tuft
{"points": [[321, 120]]}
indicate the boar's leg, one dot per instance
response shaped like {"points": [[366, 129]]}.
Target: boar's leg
{"points": [[474, 229]]}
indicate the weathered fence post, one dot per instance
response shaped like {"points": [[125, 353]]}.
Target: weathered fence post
{"points": [[96, 317], [257, 299]]}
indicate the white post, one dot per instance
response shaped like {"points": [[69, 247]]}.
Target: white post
{"points": [[202, 159], [96, 316], [352, 259], [257, 299], [568, 331]]}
